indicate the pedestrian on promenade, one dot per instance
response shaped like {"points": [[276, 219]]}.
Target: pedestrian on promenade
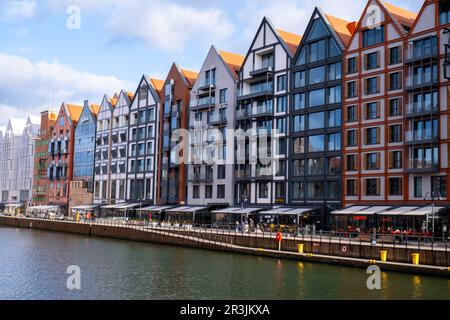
{"points": [[237, 226], [252, 225], [374, 236]]}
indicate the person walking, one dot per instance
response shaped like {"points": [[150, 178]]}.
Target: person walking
{"points": [[237, 226]]}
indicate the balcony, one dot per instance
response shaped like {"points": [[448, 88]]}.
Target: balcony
{"points": [[263, 173], [415, 82], [202, 103], [419, 109], [206, 86], [195, 177], [217, 118], [419, 54], [262, 111], [421, 137], [242, 114], [262, 72], [257, 91], [422, 166]]}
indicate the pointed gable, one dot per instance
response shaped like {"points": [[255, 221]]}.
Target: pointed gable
{"points": [[74, 112], [291, 40], [402, 17], [343, 28], [190, 76]]}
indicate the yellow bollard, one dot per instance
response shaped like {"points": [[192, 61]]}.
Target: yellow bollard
{"points": [[415, 259], [300, 248], [383, 256]]}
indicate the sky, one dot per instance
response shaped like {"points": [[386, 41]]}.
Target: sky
{"points": [[75, 50]]}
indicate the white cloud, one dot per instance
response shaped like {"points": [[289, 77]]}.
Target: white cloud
{"points": [[168, 26], [27, 87], [13, 10]]}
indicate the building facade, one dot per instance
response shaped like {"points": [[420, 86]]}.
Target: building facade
{"points": [[172, 173], [61, 155], [374, 131], [40, 181], [102, 174], [426, 78], [212, 113], [142, 141], [26, 159], [315, 152], [82, 185], [10, 164], [262, 106]]}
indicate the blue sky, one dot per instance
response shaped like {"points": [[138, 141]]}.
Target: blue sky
{"points": [[42, 62]]}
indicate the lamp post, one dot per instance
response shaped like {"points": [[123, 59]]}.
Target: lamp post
{"points": [[432, 196]]}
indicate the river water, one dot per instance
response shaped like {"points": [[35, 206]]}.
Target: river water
{"points": [[33, 265]]}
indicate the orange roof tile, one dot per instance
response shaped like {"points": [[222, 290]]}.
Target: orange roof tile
{"points": [[342, 28], [403, 16], [130, 95], [95, 109], [75, 111], [191, 76], [157, 84], [233, 60], [291, 39]]}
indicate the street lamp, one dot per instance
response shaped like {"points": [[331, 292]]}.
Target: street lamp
{"points": [[432, 196]]}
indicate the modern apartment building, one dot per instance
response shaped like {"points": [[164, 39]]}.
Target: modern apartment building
{"points": [[9, 171], [212, 112], [61, 155], [315, 149], [40, 181], [375, 169], [26, 159], [142, 141], [82, 184], [1, 160], [112, 146], [172, 173], [102, 174], [426, 96], [262, 105]]}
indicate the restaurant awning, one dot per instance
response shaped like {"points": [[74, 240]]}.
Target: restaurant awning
{"points": [[350, 210], [373, 210], [128, 206], [428, 210], [155, 208], [286, 211], [187, 209], [275, 211], [398, 211], [226, 210], [112, 206]]}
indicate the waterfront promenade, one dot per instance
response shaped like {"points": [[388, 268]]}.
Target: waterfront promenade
{"points": [[434, 257]]}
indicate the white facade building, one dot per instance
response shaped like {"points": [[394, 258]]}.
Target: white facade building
{"points": [[16, 166]]}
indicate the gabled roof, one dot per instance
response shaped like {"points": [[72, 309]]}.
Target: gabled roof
{"points": [[233, 61], [343, 28], [95, 109], [190, 76], [157, 84], [74, 111], [402, 16], [292, 40]]}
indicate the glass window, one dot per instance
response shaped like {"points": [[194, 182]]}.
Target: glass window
{"points": [[298, 192], [298, 168], [301, 57], [395, 55], [316, 143], [352, 65], [299, 123], [372, 61], [317, 98], [281, 104], [299, 79], [317, 51], [334, 166], [335, 71], [263, 190], [299, 145], [372, 187], [395, 108], [417, 187], [223, 95], [299, 101], [439, 185], [373, 36], [351, 114], [318, 30], [395, 186], [316, 75], [334, 94], [281, 82], [316, 167], [334, 118], [316, 190], [316, 120], [334, 49], [281, 125], [334, 142]]}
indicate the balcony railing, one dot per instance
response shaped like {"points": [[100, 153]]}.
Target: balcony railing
{"points": [[421, 136], [262, 110], [202, 103], [217, 117], [242, 174], [421, 108], [201, 177], [422, 165], [418, 53]]}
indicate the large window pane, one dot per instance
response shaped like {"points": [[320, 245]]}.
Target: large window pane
{"points": [[316, 143], [317, 98], [316, 120]]}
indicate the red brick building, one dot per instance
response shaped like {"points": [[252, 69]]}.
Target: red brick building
{"points": [[61, 151]]}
